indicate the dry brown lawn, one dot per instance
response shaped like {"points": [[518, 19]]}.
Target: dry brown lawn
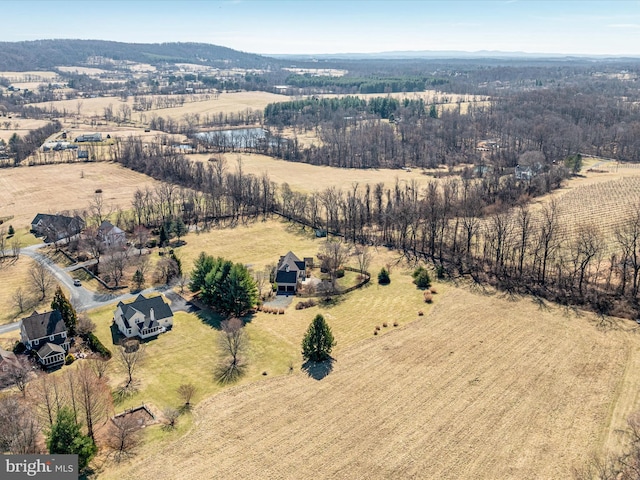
{"points": [[482, 387], [26, 191], [14, 274]]}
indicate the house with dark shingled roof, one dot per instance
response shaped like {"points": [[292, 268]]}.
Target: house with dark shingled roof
{"points": [[290, 271], [46, 333], [144, 317]]}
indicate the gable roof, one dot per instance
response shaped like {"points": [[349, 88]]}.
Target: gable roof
{"points": [[144, 305], [8, 357], [108, 228], [50, 349], [39, 325], [290, 261]]}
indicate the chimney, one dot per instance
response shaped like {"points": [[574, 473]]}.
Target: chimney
{"points": [[152, 315]]}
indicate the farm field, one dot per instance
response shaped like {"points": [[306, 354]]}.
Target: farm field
{"points": [[521, 393], [21, 126], [226, 103], [308, 178], [26, 191]]}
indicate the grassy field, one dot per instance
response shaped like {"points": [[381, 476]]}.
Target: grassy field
{"points": [[226, 103], [307, 178], [26, 191], [14, 274], [521, 393], [18, 125]]}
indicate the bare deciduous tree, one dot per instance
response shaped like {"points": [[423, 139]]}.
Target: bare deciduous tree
{"points": [[20, 299], [186, 392], [18, 374], [333, 257], [233, 342], [99, 366], [171, 417], [41, 279], [130, 356], [123, 437], [363, 256], [94, 397], [19, 426]]}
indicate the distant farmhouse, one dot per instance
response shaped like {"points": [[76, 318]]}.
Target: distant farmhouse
{"points": [[110, 235], [46, 334], [56, 227], [290, 271], [89, 137], [144, 317]]}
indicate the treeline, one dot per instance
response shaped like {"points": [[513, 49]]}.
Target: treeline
{"points": [[316, 110], [371, 84], [20, 148]]}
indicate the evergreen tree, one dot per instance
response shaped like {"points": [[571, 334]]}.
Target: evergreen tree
{"points": [[179, 228], [421, 278], [226, 286], [383, 277], [67, 311], [433, 111], [203, 265], [164, 238], [138, 279], [11, 230], [65, 438], [318, 341]]}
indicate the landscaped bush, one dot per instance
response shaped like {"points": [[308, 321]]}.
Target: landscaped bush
{"points": [[427, 297], [440, 272], [69, 359], [96, 345], [383, 277], [421, 278], [19, 348], [433, 290], [340, 273], [306, 304]]}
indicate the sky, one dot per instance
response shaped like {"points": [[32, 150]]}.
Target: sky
{"points": [[331, 26]]}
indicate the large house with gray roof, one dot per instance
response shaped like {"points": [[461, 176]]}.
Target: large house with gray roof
{"points": [[289, 272], [144, 317], [46, 333]]}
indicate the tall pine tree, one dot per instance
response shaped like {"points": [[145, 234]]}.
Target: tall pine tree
{"points": [[63, 305], [318, 341], [65, 437]]}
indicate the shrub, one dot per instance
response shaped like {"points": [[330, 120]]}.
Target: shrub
{"points": [[377, 327], [19, 348], [281, 311], [383, 277], [375, 332], [340, 273], [420, 313], [96, 345], [306, 304], [433, 290], [69, 359], [440, 272], [427, 297], [11, 230], [385, 324], [395, 324], [421, 278]]}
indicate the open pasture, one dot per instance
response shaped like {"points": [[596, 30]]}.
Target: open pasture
{"points": [[459, 393], [308, 178], [19, 125], [26, 191]]}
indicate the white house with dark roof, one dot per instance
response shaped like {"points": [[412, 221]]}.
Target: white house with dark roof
{"points": [[46, 333], [289, 272], [144, 317]]}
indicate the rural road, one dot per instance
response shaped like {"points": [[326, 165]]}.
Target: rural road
{"points": [[83, 299]]}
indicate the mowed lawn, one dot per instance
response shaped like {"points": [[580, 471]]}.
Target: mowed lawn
{"points": [[480, 388]]}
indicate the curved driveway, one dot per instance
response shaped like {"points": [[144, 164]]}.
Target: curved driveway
{"points": [[83, 299]]}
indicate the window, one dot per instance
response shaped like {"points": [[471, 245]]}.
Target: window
{"points": [[51, 338], [35, 342]]}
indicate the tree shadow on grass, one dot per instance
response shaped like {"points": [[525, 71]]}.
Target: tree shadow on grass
{"points": [[318, 370], [214, 319]]}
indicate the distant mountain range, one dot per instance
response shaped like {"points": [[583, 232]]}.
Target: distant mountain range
{"points": [[436, 54], [40, 54]]}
